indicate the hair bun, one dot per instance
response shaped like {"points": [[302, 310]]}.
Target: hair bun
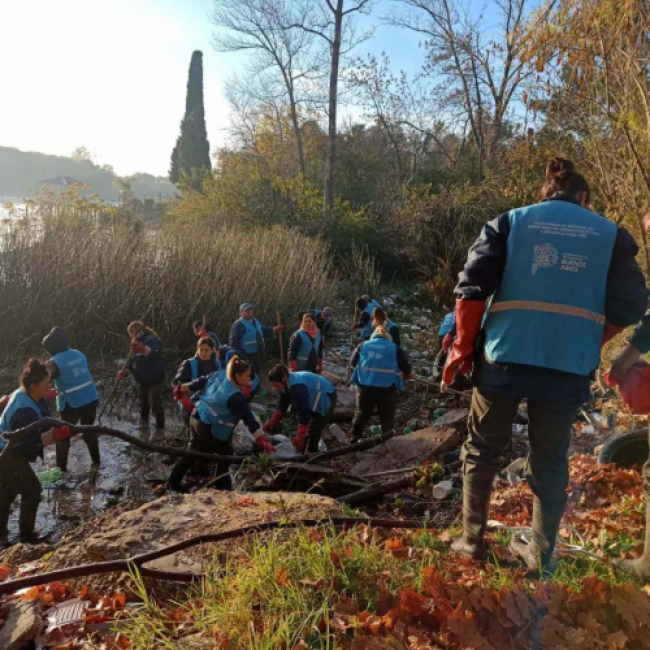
{"points": [[559, 168]]}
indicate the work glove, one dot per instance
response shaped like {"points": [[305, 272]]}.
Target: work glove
{"points": [[301, 438], [52, 393], [447, 342], [203, 333], [61, 433], [469, 316], [137, 347], [263, 442], [247, 391], [278, 328], [181, 396], [609, 332], [123, 374], [319, 367], [622, 365], [293, 366], [409, 375], [276, 418]]}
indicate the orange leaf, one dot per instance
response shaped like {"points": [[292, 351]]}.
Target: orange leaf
{"points": [[119, 600], [32, 593], [282, 577]]}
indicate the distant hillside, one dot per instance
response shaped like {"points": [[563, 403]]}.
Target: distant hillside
{"points": [[21, 173]]}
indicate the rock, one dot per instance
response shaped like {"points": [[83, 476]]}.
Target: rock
{"points": [[404, 451], [23, 624], [452, 418]]}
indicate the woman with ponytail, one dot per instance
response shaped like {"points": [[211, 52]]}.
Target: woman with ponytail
{"points": [[311, 397], [380, 319], [26, 406], [221, 404]]}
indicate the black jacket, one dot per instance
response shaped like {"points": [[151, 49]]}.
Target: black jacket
{"points": [[184, 374], [149, 370], [625, 303], [55, 343]]}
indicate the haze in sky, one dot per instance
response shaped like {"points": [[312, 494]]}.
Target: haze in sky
{"points": [[111, 76]]}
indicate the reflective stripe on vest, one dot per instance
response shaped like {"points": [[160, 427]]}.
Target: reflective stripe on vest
{"points": [[307, 346], [549, 311], [252, 331], [74, 383], [378, 366], [19, 400], [319, 390]]}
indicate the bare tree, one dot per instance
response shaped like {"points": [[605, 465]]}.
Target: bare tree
{"points": [[333, 22], [481, 73], [284, 56]]}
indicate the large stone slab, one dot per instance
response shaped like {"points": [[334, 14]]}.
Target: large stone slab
{"points": [[406, 451], [23, 623]]}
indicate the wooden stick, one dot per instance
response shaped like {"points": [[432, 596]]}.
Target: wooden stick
{"points": [[117, 381], [329, 349], [447, 390], [277, 313], [354, 320]]}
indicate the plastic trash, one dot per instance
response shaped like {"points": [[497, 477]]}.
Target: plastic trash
{"points": [[635, 388], [375, 429], [50, 476], [438, 413], [336, 431], [442, 490], [407, 430]]}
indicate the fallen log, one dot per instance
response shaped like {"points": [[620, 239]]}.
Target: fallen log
{"points": [[377, 492], [137, 562]]}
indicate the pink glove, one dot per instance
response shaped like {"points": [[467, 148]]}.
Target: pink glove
{"points": [[276, 418], [52, 393], [264, 443], [293, 366], [278, 328], [301, 438], [61, 433], [247, 391], [137, 347], [123, 374]]}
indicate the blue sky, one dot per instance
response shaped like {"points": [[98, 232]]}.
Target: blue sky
{"points": [[110, 75]]}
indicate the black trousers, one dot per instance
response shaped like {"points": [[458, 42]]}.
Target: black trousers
{"points": [[203, 441], [369, 399], [150, 398], [316, 425], [82, 415], [18, 478]]}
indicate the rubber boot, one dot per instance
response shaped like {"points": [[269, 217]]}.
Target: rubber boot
{"points": [[477, 487], [641, 566], [538, 553]]}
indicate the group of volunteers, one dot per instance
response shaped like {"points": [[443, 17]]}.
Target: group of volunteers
{"points": [[545, 286]]}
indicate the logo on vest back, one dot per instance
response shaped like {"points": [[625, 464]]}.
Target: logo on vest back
{"points": [[544, 257]]}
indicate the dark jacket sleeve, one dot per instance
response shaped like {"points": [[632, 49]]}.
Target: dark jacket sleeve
{"points": [[363, 319], [294, 347], [486, 260], [199, 384], [319, 352], [54, 370], [403, 362], [236, 332], [299, 395], [396, 336], [184, 374], [627, 295], [267, 330], [641, 337], [29, 446], [355, 357], [239, 406], [284, 401]]}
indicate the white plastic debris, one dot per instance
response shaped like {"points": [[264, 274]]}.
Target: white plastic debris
{"points": [[71, 611], [442, 490], [336, 431]]}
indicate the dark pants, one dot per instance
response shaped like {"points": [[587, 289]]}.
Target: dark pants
{"points": [[18, 478], [316, 425], [84, 415], [646, 473], [255, 359], [369, 398], [150, 397], [202, 440]]}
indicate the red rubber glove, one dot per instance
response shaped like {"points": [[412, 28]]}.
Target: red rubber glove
{"points": [[410, 375], [447, 342], [247, 391], [264, 443], [610, 332], [319, 367], [278, 328], [137, 347], [469, 316], [61, 433], [301, 438], [276, 418], [123, 374], [52, 393], [293, 366]]}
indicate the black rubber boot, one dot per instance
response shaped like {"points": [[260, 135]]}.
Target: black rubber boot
{"points": [[641, 566], [477, 487], [538, 553]]}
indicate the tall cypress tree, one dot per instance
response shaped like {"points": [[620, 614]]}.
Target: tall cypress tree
{"points": [[192, 150]]}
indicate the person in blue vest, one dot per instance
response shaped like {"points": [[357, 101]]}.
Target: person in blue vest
{"points": [[247, 335], [26, 406], [324, 319], [380, 367], [366, 307], [306, 347], [148, 368], [561, 281], [77, 397], [202, 330], [447, 330], [371, 301], [311, 397], [220, 405], [380, 319]]}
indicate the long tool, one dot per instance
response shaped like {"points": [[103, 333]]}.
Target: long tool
{"points": [[117, 381], [277, 313], [437, 385], [354, 320], [329, 349]]}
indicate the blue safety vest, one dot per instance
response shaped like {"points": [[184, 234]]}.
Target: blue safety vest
{"points": [[319, 389], [378, 365], [318, 314], [75, 383], [215, 338], [19, 400], [194, 368], [307, 345], [253, 336], [368, 329], [213, 406], [447, 324], [388, 327], [550, 308], [374, 303]]}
